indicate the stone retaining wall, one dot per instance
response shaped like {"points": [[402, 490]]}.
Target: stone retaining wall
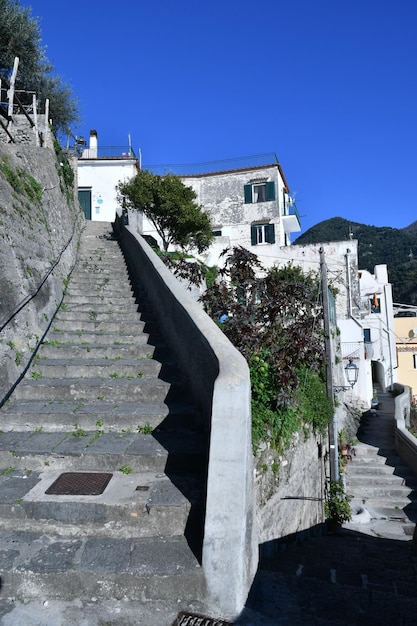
{"points": [[39, 226], [405, 442]]}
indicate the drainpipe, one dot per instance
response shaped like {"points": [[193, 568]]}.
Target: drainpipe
{"points": [[348, 281]]}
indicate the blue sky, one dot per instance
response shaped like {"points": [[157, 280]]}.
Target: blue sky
{"points": [[330, 86]]}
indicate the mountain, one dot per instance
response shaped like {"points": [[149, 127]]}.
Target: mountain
{"points": [[395, 247]]}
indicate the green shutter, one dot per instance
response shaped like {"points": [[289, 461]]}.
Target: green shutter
{"points": [[270, 190], [248, 194], [253, 238], [270, 233]]}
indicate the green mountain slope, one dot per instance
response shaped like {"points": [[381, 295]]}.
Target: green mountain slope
{"points": [[395, 247]]}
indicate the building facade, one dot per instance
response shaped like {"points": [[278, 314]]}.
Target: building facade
{"points": [[406, 348], [99, 171]]}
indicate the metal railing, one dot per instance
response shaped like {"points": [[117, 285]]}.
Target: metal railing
{"points": [[189, 169], [292, 210], [105, 152]]}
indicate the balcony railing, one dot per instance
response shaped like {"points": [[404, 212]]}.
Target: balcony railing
{"points": [[291, 220], [106, 152], [208, 167]]}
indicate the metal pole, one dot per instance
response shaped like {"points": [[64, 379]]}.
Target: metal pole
{"points": [[333, 452]]}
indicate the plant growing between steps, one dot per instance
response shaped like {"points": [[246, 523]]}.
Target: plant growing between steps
{"points": [[337, 506], [145, 430]]}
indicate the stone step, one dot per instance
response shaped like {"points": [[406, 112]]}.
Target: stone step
{"points": [[82, 389], [80, 450], [40, 565], [367, 490], [103, 306], [132, 504], [364, 452], [116, 324], [78, 367], [380, 480], [95, 337], [369, 469], [94, 283], [93, 352], [394, 510], [56, 415], [85, 298]]}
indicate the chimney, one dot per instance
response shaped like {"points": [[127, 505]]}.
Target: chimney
{"points": [[93, 151]]}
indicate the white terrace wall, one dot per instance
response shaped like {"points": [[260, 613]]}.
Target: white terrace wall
{"points": [[101, 176]]}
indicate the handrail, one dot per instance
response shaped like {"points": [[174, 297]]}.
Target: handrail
{"points": [[33, 294]]}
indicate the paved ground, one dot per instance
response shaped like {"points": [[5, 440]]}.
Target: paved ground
{"points": [[364, 575]]}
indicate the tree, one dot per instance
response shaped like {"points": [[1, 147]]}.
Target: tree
{"points": [[170, 206], [273, 318], [20, 36]]}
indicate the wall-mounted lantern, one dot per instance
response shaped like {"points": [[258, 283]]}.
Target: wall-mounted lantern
{"points": [[352, 373]]}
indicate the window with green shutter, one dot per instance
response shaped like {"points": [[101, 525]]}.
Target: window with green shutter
{"points": [[262, 233], [259, 192]]}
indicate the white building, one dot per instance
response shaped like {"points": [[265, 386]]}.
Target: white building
{"points": [[249, 204], [378, 325], [99, 170], [364, 316]]}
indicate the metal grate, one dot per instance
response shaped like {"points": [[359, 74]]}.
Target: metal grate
{"points": [[195, 619], [79, 484]]}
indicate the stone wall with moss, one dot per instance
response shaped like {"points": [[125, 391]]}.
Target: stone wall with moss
{"points": [[40, 221], [290, 488]]}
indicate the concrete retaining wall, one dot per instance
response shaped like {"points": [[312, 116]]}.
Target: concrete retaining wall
{"points": [[405, 442], [219, 381]]}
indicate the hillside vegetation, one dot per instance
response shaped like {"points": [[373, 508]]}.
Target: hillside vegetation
{"points": [[394, 247]]}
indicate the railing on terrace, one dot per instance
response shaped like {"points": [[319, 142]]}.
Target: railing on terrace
{"points": [[350, 350], [207, 167], [105, 152], [292, 210]]}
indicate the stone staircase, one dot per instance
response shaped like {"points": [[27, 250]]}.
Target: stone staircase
{"points": [[102, 464], [382, 488]]}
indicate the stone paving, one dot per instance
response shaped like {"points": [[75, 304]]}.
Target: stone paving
{"points": [[364, 574]]}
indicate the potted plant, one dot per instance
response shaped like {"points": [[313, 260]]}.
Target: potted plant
{"points": [[337, 507]]}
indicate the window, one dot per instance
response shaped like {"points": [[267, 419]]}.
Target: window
{"points": [[375, 305], [216, 233], [367, 335], [415, 361], [262, 233], [259, 192]]}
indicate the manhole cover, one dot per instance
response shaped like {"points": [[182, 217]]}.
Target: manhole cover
{"points": [[79, 484]]}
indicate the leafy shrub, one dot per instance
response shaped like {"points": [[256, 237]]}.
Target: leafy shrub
{"points": [[275, 322]]}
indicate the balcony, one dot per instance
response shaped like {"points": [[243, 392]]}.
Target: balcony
{"points": [[108, 152], [291, 220], [209, 167]]}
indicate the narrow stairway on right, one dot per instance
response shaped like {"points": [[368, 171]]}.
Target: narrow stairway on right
{"points": [[383, 490]]}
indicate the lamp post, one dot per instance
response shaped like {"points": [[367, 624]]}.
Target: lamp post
{"points": [[351, 371]]}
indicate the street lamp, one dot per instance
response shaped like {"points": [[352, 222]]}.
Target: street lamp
{"points": [[352, 373]]}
